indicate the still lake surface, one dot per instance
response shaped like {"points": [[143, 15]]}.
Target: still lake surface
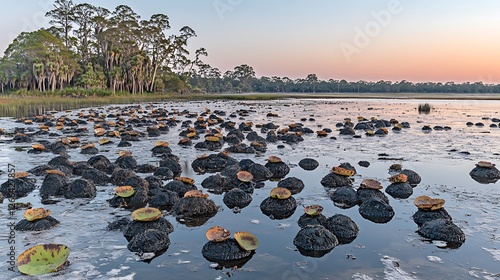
{"points": [[381, 251]]}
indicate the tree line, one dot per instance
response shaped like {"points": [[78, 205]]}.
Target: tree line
{"points": [[94, 48]]}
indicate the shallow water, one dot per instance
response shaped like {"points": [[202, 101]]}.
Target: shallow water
{"points": [[381, 251]]}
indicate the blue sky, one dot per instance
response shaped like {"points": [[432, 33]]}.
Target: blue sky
{"points": [[416, 40]]}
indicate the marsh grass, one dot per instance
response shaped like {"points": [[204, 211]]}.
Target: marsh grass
{"points": [[424, 108]]}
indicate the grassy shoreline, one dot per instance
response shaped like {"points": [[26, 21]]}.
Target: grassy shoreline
{"points": [[14, 106]]}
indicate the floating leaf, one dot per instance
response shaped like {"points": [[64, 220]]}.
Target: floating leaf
{"points": [[124, 191], [427, 203], [217, 234], [280, 193], [34, 214], [246, 240], [42, 259], [185, 180], [274, 159], [146, 214], [342, 171], [196, 193], [399, 178], [313, 210], [244, 176], [371, 184]]}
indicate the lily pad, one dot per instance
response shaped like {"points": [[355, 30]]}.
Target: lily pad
{"points": [[217, 234], [42, 259], [34, 214], [246, 240], [124, 191], [244, 176], [146, 214], [313, 210], [342, 171], [280, 193]]}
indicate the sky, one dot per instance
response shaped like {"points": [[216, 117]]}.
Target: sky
{"points": [[371, 40]]}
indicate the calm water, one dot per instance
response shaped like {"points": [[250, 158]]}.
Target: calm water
{"points": [[381, 251]]}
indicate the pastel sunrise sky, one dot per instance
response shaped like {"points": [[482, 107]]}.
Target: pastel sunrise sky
{"points": [[445, 40]]}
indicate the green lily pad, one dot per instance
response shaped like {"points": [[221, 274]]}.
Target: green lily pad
{"points": [[146, 214], [42, 259]]}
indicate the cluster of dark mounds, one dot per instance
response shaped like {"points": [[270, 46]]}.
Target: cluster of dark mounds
{"points": [[370, 127], [148, 237], [319, 235], [437, 224], [373, 203]]}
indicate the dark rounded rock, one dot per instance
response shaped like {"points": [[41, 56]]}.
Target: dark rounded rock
{"points": [[344, 197], [413, 177], [37, 225], [293, 184], [89, 151], [343, 227], [80, 168], [16, 188], [149, 241], [376, 210], [308, 164], [53, 185], [279, 169], [60, 161], [399, 190], [278, 208], [179, 187], [100, 162], [118, 225], [164, 173], [119, 176], [80, 188], [333, 180], [137, 227], [146, 168], [227, 250], [260, 172], [217, 184], [365, 194], [212, 163], [485, 175], [315, 241], [364, 163], [154, 182], [237, 198], [241, 148], [194, 206], [308, 220], [124, 144], [160, 150], [172, 165], [126, 162], [443, 230], [347, 131], [98, 177], [164, 200], [420, 217], [40, 170]]}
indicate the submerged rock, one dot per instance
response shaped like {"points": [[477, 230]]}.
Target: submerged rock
{"points": [[278, 208], [333, 180], [16, 188], [309, 220], [420, 217], [413, 177], [485, 175], [149, 241], [376, 210], [308, 164], [137, 227], [80, 188], [443, 230], [344, 197], [225, 251], [315, 241], [37, 225], [343, 227], [237, 198], [399, 190], [293, 184]]}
